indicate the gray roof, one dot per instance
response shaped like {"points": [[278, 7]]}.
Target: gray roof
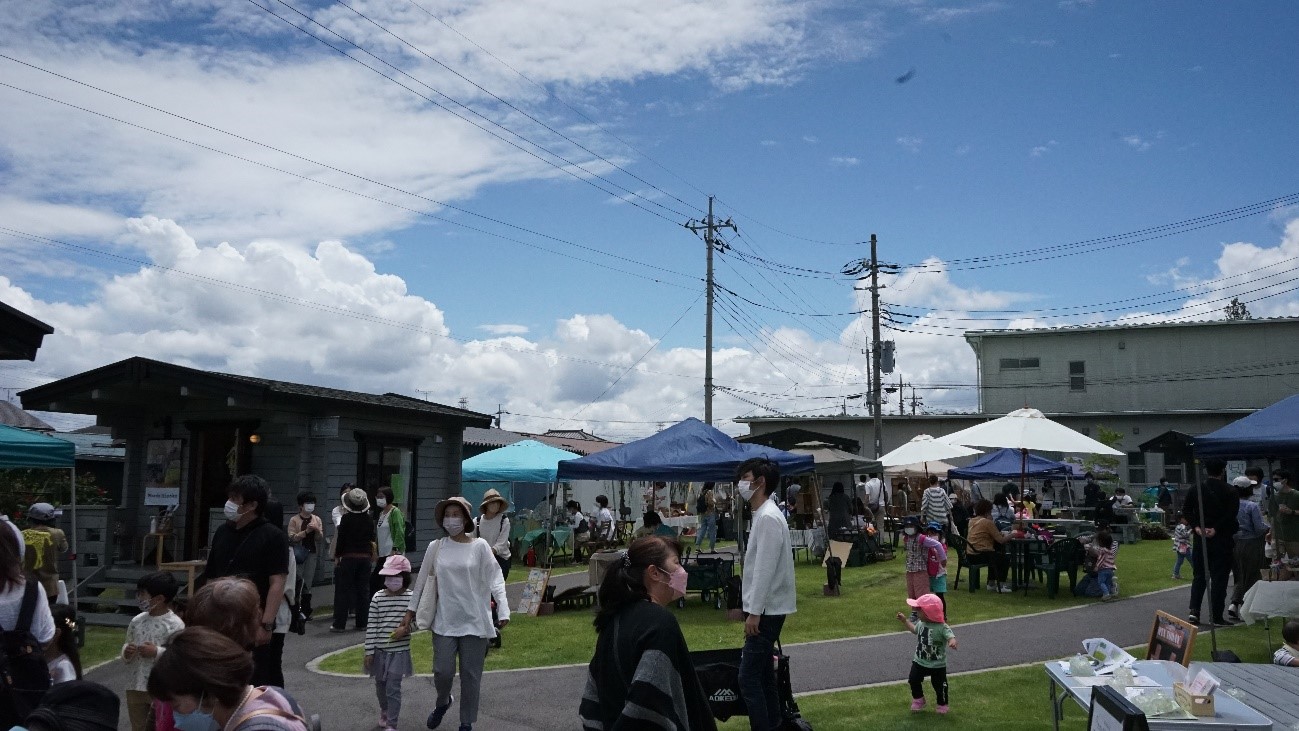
{"points": [[1011, 332], [96, 447], [584, 444], [391, 400], [491, 437], [12, 415]]}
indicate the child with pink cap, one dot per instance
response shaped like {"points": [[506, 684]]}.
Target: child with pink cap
{"points": [[388, 659], [933, 637]]}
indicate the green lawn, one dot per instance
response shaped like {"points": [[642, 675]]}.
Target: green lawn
{"points": [[102, 643], [871, 596], [983, 700]]}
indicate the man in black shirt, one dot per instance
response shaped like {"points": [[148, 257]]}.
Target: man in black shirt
{"points": [[1214, 529], [249, 546]]}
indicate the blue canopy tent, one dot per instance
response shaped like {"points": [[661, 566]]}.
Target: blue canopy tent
{"points": [[1267, 433], [691, 450], [21, 449], [528, 462], [1008, 464]]}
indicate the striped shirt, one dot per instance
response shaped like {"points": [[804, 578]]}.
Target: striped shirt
{"points": [[386, 612]]}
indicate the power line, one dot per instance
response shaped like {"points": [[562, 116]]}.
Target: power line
{"points": [[562, 168], [788, 351], [376, 199]]}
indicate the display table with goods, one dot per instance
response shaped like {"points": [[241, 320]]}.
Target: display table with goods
{"points": [[1266, 599]]}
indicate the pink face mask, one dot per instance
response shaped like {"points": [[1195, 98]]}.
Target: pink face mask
{"points": [[677, 582]]}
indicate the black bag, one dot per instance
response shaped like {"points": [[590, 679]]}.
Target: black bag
{"points": [[701, 505], [410, 536], [793, 720], [24, 674], [833, 573], [719, 676], [583, 527], [734, 593]]}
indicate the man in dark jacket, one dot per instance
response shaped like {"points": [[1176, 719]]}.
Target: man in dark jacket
{"points": [[1211, 509], [250, 547]]}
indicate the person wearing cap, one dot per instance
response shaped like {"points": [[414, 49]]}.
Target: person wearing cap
{"points": [[45, 544], [493, 526], [387, 657], [933, 638], [250, 546], [354, 551], [77, 705], [936, 561], [1248, 561], [452, 595]]}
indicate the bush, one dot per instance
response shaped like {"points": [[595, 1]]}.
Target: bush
{"points": [[19, 488], [1154, 532]]}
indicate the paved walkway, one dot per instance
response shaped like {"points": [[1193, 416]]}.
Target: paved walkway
{"points": [[545, 699]]}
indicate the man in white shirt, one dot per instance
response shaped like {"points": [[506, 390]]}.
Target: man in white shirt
{"points": [[768, 591], [874, 495]]}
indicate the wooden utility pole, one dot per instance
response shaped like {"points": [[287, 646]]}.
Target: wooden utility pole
{"points": [[710, 227]]}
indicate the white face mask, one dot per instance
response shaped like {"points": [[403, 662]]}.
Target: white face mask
{"points": [[381, 502], [232, 510], [453, 526], [309, 507], [393, 583], [745, 488], [909, 531]]}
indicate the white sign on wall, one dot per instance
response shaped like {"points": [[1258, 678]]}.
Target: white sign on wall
{"points": [[168, 496]]}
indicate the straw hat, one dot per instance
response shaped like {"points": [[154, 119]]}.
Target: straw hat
{"points": [[356, 501], [441, 509], [493, 496]]}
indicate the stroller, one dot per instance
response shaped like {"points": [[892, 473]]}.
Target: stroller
{"points": [[719, 674]]}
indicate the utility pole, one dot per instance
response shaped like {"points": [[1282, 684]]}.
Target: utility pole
{"points": [[710, 227], [873, 266], [500, 412], [902, 409], [915, 400]]}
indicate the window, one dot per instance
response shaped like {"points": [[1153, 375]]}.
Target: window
{"points": [[388, 462], [1077, 375], [1019, 364], [1136, 468]]}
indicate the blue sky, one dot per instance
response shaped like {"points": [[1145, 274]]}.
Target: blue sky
{"points": [[1022, 125]]}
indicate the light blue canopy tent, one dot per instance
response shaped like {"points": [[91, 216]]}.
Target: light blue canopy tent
{"points": [[21, 449], [528, 461]]}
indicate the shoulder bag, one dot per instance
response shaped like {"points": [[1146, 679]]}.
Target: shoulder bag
{"points": [[428, 598]]}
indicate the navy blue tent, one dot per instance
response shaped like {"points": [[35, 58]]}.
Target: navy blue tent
{"points": [[1006, 463], [1270, 432], [689, 451]]}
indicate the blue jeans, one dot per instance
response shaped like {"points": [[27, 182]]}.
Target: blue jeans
{"points": [[758, 675], [1177, 567], [707, 527], [1105, 577]]}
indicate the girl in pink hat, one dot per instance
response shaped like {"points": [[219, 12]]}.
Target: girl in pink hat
{"points": [[387, 655], [933, 637]]}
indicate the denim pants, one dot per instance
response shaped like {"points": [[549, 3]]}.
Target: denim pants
{"points": [[758, 675], [1177, 566], [707, 527], [351, 590], [1105, 577]]}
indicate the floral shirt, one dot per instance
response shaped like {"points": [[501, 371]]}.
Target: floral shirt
{"points": [[147, 628]]}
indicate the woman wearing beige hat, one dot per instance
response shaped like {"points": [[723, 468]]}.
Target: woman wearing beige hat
{"points": [[492, 526], [452, 595], [353, 556]]}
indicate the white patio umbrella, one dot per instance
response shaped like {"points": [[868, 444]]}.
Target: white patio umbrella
{"points": [[924, 448], [1026, 429]]}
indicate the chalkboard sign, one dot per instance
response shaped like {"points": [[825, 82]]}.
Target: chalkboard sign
{"points": [[1111, 711], [1171, 639], [534, 591]]}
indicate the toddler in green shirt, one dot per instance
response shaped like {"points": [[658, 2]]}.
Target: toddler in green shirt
{"points": [[933, 637]]}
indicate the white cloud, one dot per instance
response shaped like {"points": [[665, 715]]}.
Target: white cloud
{"points": [[504, 329], [1116, 55], [1256, 274], [1043, 43], [953, 13], [1041, 150], [844, 162], [1136, 142], [811, 139], [768, 143], [911, 143]]}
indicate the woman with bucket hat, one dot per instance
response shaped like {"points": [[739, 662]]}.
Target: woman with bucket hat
{"points": [[492, 526], [452, 595], [354, 550]]}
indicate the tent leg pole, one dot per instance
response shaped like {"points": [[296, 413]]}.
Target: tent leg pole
{"points": [[72, 595]]}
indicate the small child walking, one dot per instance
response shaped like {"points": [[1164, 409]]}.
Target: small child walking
{"points": [[1105, 548], [1181, 544], [387, 660], [62, 654], [145, 638], [936, 562], [933, 638], [916, 547]]}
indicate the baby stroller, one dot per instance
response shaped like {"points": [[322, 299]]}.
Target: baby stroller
{"points": [[719, 674]]}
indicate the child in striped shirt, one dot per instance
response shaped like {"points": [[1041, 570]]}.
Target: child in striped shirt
{"points": [[388, 659]]}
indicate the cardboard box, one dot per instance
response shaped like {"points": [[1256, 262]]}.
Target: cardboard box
{"points": [[1196, 705]]}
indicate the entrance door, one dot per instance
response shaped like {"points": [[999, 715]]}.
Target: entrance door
{"points": [[220, 453]]}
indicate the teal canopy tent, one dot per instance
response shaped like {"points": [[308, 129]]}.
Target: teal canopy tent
{"points": [[21, 449], [528, 461]]}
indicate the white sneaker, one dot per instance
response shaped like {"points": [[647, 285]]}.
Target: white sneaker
{"points": [[992, 587], [1003, 589]]}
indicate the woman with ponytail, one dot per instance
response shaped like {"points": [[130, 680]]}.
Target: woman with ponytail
{"points": [[641, 675]]}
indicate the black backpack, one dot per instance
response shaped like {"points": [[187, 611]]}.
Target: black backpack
{"points": [[24, 674], [701, 505]]}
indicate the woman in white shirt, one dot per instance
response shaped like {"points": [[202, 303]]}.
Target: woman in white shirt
{"points": [[461, 576], [492, 526], [604, 519]]}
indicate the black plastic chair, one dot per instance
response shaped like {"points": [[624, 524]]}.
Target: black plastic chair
{"points": [[1063, 557]]}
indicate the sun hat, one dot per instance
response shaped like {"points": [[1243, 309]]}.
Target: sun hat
{"points": [[930, 606], [441, 509], [43, 512], [394, 565], [356, 501], [492, 496]]}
